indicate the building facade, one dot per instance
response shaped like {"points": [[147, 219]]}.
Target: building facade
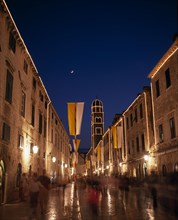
{"points": [[139, 136], [164, 84], [148, 143], [25, 113]]}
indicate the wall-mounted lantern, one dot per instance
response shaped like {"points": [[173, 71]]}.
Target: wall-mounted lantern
{"points": [[35, 149]]}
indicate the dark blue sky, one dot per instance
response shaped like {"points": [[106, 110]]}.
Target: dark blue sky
{"points": [[111, 46]]}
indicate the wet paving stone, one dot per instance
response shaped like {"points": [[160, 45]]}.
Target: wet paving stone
{"points": [[74, 203]]}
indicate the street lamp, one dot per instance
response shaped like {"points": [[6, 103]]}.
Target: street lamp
{"points": [[35, 149], [54, 159], [146, 157]]}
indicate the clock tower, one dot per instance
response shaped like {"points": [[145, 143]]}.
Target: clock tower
{"points": [[97, 122]]}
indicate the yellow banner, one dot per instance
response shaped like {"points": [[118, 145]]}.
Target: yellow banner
{"points": [[76, 143], [72, 118], [99, 153], [87, 164], [75, 114], [114, 134]]}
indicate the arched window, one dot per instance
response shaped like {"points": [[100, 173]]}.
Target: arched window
{"points": [[98, 130], [164, 170], [97, 119]]}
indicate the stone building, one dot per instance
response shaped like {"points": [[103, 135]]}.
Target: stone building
{"points": [[164, 85], [127, 147], [25, 113], [58, 149], [139, 136]]}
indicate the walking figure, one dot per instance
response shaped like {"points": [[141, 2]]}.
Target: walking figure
{"points": [[154, 197]]}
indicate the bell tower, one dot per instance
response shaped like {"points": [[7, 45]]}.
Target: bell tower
{"points": [[97, 122]]}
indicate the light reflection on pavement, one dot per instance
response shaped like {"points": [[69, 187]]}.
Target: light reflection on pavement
{"points": [[72, 203]]}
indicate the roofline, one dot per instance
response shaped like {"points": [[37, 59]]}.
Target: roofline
{"points": [[26, 50], [163, 60]]}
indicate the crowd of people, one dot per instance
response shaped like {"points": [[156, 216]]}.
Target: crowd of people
{"points": [[35, 189]]}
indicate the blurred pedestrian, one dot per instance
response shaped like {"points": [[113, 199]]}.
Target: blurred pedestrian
{"points": [[23, 187], [34, 187], [154, 196], [44, 191], [94, 199]]}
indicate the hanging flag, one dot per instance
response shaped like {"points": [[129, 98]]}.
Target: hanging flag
{"points": [[99, 152], [75, 114], [79, 115], [76, 143], [119, 136], [87, 164], [114, 134], [71, 118]]}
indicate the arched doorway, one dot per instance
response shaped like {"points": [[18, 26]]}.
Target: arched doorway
{"points": [[2, 181]]}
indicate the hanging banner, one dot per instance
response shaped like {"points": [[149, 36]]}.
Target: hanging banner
{"points": [[114, 135], [119, 136], [71, 118], [75, 114], [76, 143], [99, 153], [79, 116], [87, 164]]}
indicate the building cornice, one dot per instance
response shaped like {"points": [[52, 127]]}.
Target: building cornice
{"points": [[163, 60], [20, 41]]}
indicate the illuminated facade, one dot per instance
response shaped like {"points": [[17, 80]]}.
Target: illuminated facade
{"points": [[97, 129], [164, 84], [139, 136], [97, 122], [124, 151], [25, 115], [149, 140]]}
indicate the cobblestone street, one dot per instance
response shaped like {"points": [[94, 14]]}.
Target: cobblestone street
{"points": [[73, 203]]}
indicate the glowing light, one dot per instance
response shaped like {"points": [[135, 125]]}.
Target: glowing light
{"points": [[35, 149], [65, 165], [146, 157], [54, 159]]}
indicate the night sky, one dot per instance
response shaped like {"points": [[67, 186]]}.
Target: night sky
{"points": [[102, 49]]}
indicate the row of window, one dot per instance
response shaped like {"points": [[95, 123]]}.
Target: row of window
{"points": [[167, 81], [139, 146], [12, 47], [134, 117], [9, 89], [6, 137], [8, 97], [171, 127]]}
